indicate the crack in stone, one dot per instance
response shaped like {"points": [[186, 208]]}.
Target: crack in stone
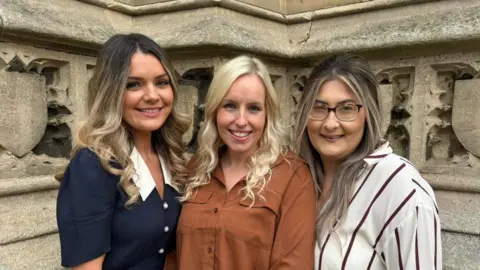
{"points": [[305, 40]]}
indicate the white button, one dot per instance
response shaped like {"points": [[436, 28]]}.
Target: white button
{"points": [[166, 229], [161, 251], [165, 205]]}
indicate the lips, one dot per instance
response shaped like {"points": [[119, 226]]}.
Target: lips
{"points": [[332, 138], [150, 112], [240, 135]]}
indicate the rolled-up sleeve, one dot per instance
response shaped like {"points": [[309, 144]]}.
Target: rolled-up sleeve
{"points": [[85, 204]]}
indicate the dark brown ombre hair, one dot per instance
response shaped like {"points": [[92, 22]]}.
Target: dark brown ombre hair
{"points": [[356, 73], [104, 131]]}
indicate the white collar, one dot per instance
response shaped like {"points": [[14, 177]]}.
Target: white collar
{"points": [[379, 154], [143, 178]]}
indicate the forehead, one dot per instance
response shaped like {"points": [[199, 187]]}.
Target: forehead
{"points": [[247, 88], [335, 91], [145, 64]]}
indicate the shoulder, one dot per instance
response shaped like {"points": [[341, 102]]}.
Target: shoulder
{"points": [[85, 166], [402, 179], [85, 157], [291, 170], [291, 163]]}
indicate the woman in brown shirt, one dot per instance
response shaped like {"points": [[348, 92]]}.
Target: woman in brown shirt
{"points": [[247, 204]]}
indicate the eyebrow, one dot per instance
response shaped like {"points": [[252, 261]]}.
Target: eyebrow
{"points": [[249, 103], [161, 76], [317, 101]]}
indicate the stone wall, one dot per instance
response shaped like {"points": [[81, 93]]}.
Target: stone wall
{"points": [[426, 55]]}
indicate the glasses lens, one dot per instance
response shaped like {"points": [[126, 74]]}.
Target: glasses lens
{"points": [[347, 112], [319, 112]]}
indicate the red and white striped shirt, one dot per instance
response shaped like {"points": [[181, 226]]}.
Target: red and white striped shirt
{"points": [[392, 221]]}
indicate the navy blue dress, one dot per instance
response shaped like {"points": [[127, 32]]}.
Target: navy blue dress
{"points": [[92, 219]]}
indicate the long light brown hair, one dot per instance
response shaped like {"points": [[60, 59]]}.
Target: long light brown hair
{"points": [[104, 131], [272, 142], [356, 73]]}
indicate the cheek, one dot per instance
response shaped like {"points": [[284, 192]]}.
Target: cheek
{"points": [[355, 130], [221, 120], [167, 97], [129, 103], [260, 121], [313, 127]]}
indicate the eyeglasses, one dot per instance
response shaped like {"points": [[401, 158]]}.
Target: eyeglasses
{"points": [[344, 112]]}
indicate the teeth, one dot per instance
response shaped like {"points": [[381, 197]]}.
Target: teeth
{"points": [[240, 134], [150, 111]]}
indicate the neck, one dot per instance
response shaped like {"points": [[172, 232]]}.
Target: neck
{"points": [[235, 160], [143, 143], [329, 170]]}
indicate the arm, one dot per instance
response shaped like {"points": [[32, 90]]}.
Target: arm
{"points": [[416, 242], [85, 204], [295, 237]]}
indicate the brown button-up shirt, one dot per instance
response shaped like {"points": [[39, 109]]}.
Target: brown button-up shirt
{"points": [[219, 230]]}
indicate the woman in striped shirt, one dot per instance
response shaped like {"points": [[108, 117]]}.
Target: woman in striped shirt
{"points": [[375, 209]]}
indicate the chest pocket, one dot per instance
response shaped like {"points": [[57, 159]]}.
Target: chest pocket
{"points": [[255, 223], [195, 212]]}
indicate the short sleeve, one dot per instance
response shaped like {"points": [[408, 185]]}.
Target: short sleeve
{"points": [[85, 204]]}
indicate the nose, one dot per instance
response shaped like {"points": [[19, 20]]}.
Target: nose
{"points": [[151, 94], [331, 122], [241, 119]]}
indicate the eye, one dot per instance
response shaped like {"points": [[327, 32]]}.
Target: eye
{"points": [[320, 108], [348, 107], [229, 106], [133, 85], [163, 83], [254, 108]]}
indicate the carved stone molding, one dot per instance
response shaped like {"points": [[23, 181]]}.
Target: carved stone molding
{"points": [[42, 95], [397, 86], [465, 114], [23, 110], [442, 143]]}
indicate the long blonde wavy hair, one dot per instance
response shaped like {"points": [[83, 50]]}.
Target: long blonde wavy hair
{"points": [[271, 144], [104, 131], [356, 73]]}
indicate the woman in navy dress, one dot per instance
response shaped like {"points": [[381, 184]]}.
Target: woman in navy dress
{"points": [[117, 206]]}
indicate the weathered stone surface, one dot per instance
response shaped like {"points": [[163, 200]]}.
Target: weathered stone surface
{"points": [[29, 165], [419, 51], [386, 95], [61, 22], [15, 186], [273, 5], [23, 111], [39, 253], [465, 110], [188, 97], [445, 179], [296, 6], [460, 251], [27, 216], [215, 27], [58, 23], [429, 23], [459, 211]]}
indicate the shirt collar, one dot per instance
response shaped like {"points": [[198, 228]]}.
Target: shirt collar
{"points": [[380, 153], [143, 178]]}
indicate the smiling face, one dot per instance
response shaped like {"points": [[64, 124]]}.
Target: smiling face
{"points": [[241, 115], [148, 97], [334, 140]]}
